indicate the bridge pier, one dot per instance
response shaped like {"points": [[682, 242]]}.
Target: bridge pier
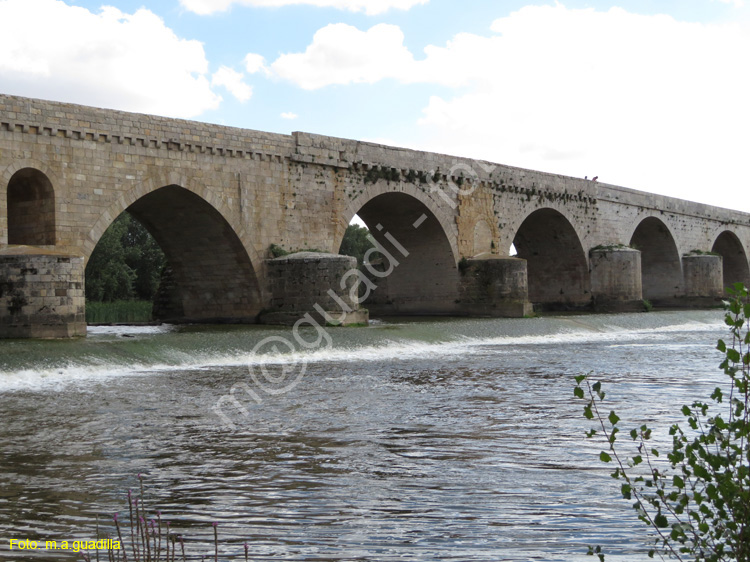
{"points": [[495, 286], [41, 294], [616, 284], [323, 286], [704, 279]]}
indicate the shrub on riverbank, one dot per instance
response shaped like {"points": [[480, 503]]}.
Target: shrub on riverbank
{"points": [[697, 501]]}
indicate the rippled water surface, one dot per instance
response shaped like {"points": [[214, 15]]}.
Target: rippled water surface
{"points": [[407, 440]]}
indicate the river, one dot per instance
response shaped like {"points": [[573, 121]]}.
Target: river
{"points": [[409, 440]]}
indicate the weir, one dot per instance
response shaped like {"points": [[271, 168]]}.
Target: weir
{"points": [[217, 199]]}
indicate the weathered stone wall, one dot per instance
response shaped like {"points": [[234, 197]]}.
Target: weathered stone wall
{"points": [[494, 287], [323, 285], [96, 157], [301, 190], [703, 275], [41, 294], [616, 282], [301, 280]]}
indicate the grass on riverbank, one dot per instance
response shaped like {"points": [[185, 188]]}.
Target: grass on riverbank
{"points": [[118, 312], [150, 537]]}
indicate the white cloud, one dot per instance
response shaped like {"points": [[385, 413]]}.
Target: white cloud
{"points": [[289, 115], [647, 102], [255, 63], [642, 101], [369, 7], [110, 59], [233, 82], [342, 54]]}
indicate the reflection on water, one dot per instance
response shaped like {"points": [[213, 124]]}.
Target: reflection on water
{"points": [[425, 440]]}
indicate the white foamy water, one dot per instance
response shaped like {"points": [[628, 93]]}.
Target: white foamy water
{"points": [[96, 367]]}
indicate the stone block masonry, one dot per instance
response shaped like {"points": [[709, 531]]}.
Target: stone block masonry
{"points": [[41, 294], [324, 286], [616, 279], [704, 275], [216, 198], [494, 287]]}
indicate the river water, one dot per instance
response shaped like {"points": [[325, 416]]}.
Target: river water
{"points": [[409, 440]]}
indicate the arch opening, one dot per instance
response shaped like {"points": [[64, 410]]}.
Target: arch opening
{"points": [[31, 209], [556, 263], [356, 241], [126, 264], [208, 276], [661, 269], [416, 272], [735, 264]]}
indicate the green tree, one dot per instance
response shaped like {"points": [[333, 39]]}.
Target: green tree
{"points": [[355, 242], [126, 263], [144, 256], [697, 502]]}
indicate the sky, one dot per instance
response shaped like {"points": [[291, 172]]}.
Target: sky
{"points": [[652, 95]]}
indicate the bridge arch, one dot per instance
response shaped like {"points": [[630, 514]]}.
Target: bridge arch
{"points": [[661, 267], [557, 265], [443, 211], [213, 274], [418, 256], [735, 263], [29, 197]]}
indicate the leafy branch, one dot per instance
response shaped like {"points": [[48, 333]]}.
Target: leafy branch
{"points": [[697, 501]]}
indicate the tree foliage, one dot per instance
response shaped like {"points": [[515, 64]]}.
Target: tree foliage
{"points": [[126, 263], [697, 502], [355, 242]]}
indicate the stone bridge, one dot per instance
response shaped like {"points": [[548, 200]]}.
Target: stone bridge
{"points": [[217, 198]]}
